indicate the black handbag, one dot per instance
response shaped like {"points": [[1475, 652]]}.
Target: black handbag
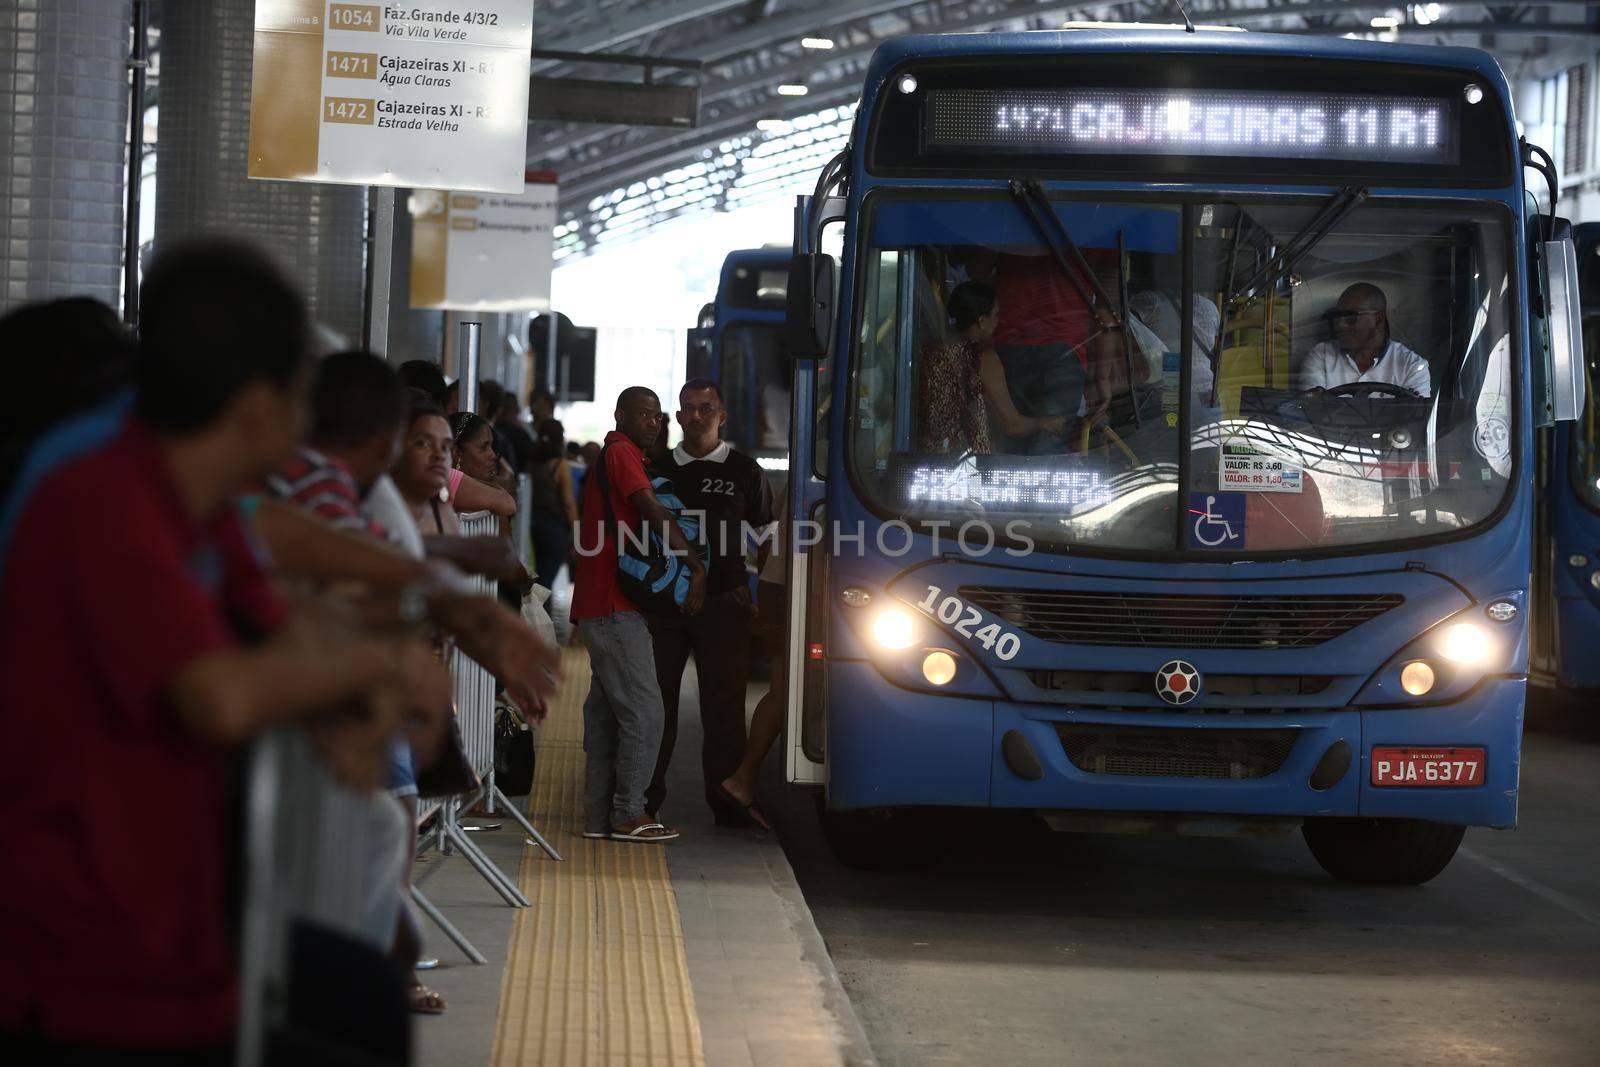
{"points": [[513, 753], [451, 774]]}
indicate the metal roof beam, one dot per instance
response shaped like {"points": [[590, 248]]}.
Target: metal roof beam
{"points": [[712, 90], [849, 84], [763, 33], [638, 23], [620, 157], [768, 32], [603, 179], [1529, 29]]}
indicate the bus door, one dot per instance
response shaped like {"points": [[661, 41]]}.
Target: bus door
{"points": [[811, 415], [1567, 553]]}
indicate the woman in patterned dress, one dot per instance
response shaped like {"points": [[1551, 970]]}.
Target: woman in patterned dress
{"points": [[964, 383]]}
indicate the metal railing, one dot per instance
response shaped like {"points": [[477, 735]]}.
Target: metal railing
{"points": [[475, 712], [316, 852]]}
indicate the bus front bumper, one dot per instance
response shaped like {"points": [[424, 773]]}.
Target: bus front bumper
{"points": [[891, 748]]}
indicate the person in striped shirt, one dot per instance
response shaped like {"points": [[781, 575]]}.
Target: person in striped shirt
{"points": [[354, 436]]}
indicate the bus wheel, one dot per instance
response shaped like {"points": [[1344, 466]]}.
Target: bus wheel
{"points": [[1383, 851], [874, 839]]}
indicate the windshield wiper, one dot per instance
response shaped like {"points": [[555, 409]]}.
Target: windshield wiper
{"points": [[1029, 195], [1300, 245]]}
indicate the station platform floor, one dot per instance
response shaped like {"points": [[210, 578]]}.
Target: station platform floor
{"points": [[699, 951]]}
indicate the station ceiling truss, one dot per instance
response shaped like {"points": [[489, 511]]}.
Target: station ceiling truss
{"points": [[616, 180]]}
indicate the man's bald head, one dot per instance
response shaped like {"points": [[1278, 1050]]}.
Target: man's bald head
{"points": [[1361, 322], [1364, 296], [639, 415], [634, 395]]}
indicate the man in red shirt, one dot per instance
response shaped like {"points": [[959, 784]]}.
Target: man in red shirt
{"points": [[623, 715], [140, 644], [1055, 354]]}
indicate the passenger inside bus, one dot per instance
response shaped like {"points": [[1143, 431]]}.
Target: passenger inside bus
{"points": [[1362, 349], [1157, 329], [1056, 362], [964, 390]]}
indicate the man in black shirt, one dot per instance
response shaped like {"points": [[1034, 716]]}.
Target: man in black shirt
{"points": [[499, 406], [731, 490]]}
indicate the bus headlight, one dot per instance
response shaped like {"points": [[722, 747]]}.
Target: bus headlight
{"points": [[1417, 678], [939, 667], [894, 629], [1465, 642], [1450, 659]]}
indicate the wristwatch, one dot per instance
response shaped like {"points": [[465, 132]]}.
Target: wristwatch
{"points": [[413, 603]]}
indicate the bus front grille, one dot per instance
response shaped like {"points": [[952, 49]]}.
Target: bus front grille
{"points": [[1161, 620], [1144, 683], [1175, 753]]}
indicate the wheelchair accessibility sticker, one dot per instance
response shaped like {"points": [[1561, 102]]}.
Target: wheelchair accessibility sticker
{"points": [[1216, 520]]}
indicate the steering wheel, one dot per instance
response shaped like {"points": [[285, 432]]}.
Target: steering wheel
{"points": [[1362, 389], [1365, 407]]}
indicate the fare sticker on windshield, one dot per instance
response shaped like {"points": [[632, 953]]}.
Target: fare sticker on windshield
{"points": [[1246, 470]]}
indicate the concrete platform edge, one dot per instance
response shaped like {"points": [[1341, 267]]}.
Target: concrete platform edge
{"points": [[829, 1015], [853, 1045]]}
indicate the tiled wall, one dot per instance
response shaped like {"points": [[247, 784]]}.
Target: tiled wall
{"points": [[318, 232], [63, 128]]}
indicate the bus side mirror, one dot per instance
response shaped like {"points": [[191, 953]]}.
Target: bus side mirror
{"points": [[1567, 377], [809, 330]]}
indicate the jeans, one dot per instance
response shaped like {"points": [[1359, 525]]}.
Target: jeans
{"points": [[621, 719], [552, 540], [719, 637], [400, 778], [385, 849], [1042, 380]]}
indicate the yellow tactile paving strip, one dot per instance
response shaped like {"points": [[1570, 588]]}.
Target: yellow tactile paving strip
{"points": [[595, 973]]}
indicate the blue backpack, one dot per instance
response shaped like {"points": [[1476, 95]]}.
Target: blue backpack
{"points": [[648, 572]]}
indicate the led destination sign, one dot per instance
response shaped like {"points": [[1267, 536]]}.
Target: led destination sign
{"points": [[1202, 122]]}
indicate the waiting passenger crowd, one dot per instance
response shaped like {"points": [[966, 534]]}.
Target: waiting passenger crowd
{"points": [[212, 531]]}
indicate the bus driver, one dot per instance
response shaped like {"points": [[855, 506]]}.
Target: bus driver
{"points": [[1362, 350]]}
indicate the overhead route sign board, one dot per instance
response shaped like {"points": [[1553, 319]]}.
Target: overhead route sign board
{"points": [[421, 94], [628, 103], [482, 252]]}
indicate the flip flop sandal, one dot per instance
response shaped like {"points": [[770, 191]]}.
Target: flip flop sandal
{"points": [[647, 832], [757, 816], [423, 1000]]}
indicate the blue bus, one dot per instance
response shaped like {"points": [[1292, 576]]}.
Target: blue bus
{"points": [[1263, 326], [1567, 564], [739, 344]]}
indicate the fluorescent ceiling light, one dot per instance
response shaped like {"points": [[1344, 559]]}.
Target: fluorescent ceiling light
{"points": [[792, 90], [1385, 22], [819, 43]]}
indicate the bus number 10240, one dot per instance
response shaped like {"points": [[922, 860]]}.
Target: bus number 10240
{"points": [[963, 617]]}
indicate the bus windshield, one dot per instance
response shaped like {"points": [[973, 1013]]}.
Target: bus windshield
{"points": [[1339, 388], [756, 372]]}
